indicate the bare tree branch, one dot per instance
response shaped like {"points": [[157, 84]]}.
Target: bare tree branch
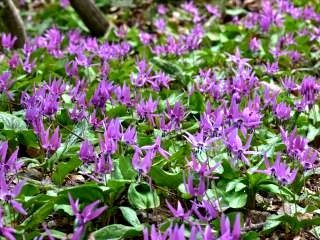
{"points": [[11, 22], [92, 17]]}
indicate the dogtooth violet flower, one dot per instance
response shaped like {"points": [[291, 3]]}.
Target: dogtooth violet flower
{"points": [[279, 170], [6, 232], [9, 164], [89, 213], [7, 193]]}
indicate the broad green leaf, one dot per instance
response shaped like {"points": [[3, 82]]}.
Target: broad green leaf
{"points": [[126, 168], [63, 169], [38, 216], [141, 196], [130, 215], [86, 193], [196, 102], [164, 178], [235, 11], [11, 122], [117, 231], [236, 199], [170, 68]]}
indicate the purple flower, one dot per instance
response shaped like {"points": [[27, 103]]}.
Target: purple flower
{"points": [[7, 40], [269, 17], [199, 141], [14, 61], [179, 212], [205, 210], [254, 44], [269, 97], [162, 9], [49, 145], [123, 95], [236, 58], [175, 114], [7, 193], [203, 169], [282, 111], [107, 144], [6, 232], [309, 89], [309, 158], [130, 136], [294, 55], [5, 84], [145, 38], [82, 60], [235, 146], [142, 164], [271, 68], [87, 153], [147, 109], [195, 191], [112, 129], [289, 84], [64, 3], [191, 8], [88, 214], [11, 164], [156, 147], [102, 93], [295, 144], [279, 170], [225, 228], [154, 234], [71, 68], [212, 10], [160, 24], [143, 74], [176, 232], [93, 121], [77, 113], [27, 65], [163, 126], [104, 163], [121, 32]]}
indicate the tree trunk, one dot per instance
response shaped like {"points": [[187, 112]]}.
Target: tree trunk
{"points": [[92, 17], [11, 22]]}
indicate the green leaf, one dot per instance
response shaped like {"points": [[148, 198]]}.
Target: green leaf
{"points": [[235, 11], [312, 133], [117, 231], [196, 102], [38, 216], [316, 232], [251, 236], [86, 193], [64, 207], [273, 188], [118, 183], [164, 178], [118, 111], [28, 138], [126, 168], [130, 215], [141, 196], [170, 68], [11, 122], [236, 199], [271, 223], [63, 169]]}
